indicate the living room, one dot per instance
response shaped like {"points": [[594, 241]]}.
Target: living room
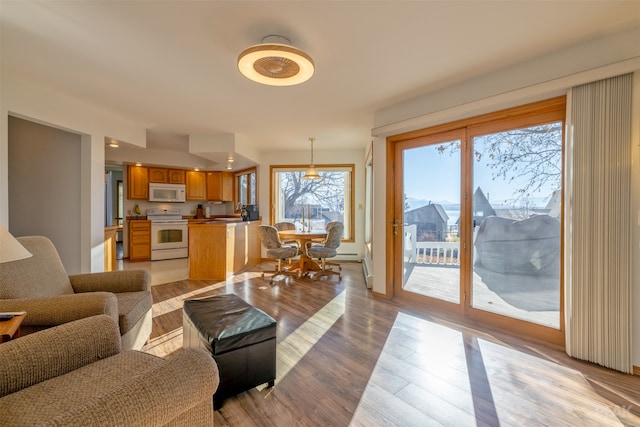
{"points": [[522, 79]]}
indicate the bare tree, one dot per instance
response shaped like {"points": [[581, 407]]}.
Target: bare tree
{"points": [[533, 153], [328, 191]]}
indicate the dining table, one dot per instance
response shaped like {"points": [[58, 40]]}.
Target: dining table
{"points": [[305, 264]]}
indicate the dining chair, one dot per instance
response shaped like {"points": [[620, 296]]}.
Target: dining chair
{"points": [[285, 226], [327, 249], [276, 250]]}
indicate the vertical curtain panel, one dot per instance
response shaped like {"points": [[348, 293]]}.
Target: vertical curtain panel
{"points": [[598, 224]]}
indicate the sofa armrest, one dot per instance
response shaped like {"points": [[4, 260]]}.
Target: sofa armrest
{"points": [[112, 281], [53, 311], [155, 397], [40, 356]]}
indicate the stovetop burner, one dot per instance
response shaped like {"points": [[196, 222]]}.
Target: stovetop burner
{"points": [[164, 214]]}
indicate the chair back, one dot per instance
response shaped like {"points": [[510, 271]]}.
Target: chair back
{"points": [[283, 226], [331, 224], [334, 235], [42, 275], [269, 237]]}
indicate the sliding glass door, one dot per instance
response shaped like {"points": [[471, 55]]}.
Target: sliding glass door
{"points": [[429, 216], [516, 222], [477, 218]]}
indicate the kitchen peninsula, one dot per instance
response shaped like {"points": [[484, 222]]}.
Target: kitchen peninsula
{"points": [[220, 248]]}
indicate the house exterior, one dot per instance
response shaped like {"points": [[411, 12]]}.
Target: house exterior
{"points": [[431, 222]]}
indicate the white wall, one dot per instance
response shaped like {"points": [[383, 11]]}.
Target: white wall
{"points": [[25, 99], [45, 189], [546, 77], [355, 157]]}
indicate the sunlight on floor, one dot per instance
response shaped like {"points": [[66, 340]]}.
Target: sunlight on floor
{"points": [[171, 341], [293, 348], [429, 374]]}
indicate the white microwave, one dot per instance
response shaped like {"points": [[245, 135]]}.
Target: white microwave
{"points": [[172, 193]]}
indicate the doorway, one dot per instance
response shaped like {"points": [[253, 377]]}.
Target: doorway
{"points": [[477, 218]]}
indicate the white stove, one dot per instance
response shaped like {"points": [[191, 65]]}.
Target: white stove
{"points": [[169, 234]]}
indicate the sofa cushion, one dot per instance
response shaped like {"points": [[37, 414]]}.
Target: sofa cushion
{"points": [[132, 306], [41, 275]]}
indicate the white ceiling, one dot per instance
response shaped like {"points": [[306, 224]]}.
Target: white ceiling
{"points": [[171, 65]]}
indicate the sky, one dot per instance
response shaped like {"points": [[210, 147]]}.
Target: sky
{"points": [[433, 176]]}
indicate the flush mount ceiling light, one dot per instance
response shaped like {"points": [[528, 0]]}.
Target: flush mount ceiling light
{"points": [[275, 62], [312, 172]]}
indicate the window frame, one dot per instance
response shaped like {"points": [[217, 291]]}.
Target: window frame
{"points": [[349, 194], [236, 186]]}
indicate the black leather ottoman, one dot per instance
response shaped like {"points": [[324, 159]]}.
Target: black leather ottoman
{"points": [[240, 337]]}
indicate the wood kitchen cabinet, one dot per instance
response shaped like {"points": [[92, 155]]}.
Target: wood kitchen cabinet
{"points": [[137, 183], [166, 176], [139, 240], [196, 185], [218, 251], [219, 186], [176, 176], [110, 242]]}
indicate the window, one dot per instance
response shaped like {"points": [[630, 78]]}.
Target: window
{"points": [[313, 202], [246, 187]]}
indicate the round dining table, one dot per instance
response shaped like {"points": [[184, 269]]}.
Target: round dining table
{"points": [[306, 264]]}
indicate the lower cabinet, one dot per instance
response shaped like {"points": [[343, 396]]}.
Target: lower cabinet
{"points": [[139, 240], [218, 251], [110, 241]]}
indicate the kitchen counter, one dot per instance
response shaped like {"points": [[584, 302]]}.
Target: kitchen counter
{"points": [[220, 249]]}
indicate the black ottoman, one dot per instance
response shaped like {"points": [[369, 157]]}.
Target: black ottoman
{"points": [[240, 337]]}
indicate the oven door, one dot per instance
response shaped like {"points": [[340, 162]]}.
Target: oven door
{"points": [[168, 234]]}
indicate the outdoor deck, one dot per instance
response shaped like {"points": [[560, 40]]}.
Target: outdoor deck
{"points": [[520, 297]]}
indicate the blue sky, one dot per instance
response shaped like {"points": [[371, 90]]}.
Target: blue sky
{"points": [[433, 176]]}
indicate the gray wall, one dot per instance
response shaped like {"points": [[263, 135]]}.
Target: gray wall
{"points": [[44, 189]]}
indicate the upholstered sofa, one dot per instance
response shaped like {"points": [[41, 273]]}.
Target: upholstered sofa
{"points": [[76, 375], [40, 286]]}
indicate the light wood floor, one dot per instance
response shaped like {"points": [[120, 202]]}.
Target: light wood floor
{"points": [[345, 358]]}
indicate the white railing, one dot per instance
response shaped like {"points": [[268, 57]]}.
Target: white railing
{"points": [[432, 253]]}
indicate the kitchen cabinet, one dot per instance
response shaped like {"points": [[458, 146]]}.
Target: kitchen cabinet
{"points": [[110, 241], [176, 176], [139, 240], [137, 183], [166, 176], [218, 251], [219, 186], [196, 185]]}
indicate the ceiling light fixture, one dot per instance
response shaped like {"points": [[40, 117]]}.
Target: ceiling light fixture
{"points": [[311, 173], [229, 166], [275, 62]]}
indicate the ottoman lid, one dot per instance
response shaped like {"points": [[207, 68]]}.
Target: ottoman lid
{"points": [[227, 322]]}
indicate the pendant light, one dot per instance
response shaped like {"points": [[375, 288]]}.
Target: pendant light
{"points": [[311, 173]]}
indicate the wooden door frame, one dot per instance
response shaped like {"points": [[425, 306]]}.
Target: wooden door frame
{"points": [[552, 109]]}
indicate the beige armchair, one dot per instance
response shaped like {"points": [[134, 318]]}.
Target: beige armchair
{"points": [[40, 286], [76, 375]]}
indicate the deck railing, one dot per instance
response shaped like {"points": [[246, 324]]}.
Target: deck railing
{"points": [[433, 253]]}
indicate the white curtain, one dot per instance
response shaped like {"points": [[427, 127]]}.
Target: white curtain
{"points": [[598, 279]]}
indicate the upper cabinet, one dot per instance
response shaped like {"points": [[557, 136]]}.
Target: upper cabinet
{"points": [[176, 176], [137, 183], [219, 186], [196, 185], [200, 186], [166, 176]]}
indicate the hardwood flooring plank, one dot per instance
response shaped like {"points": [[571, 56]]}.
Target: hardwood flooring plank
{"points": [[346, 358]]}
